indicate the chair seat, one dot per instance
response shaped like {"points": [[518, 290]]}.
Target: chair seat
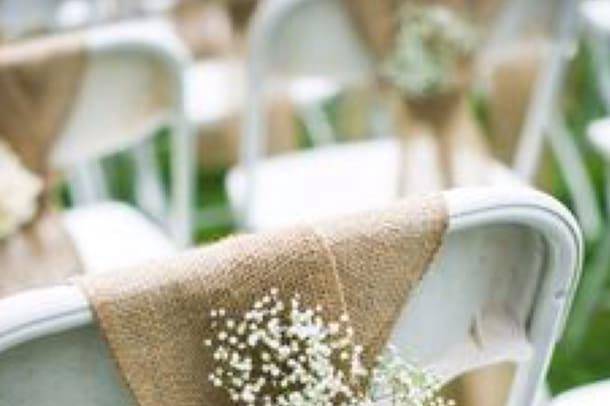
{"points": [[596, 394], [216, 90], [327, 181], [113, 235]]}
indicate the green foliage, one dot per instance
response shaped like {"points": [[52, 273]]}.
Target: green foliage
{"points": [[584, 356]]}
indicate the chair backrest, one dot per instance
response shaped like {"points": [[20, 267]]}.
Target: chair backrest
{"points": [[132, 85], [507, 270], [317, 38]]}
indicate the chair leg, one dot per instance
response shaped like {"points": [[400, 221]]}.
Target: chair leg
{"points": [[183, 172], [86, 183], [592, 289], [318, 126], [573, 169], [149, 193]]}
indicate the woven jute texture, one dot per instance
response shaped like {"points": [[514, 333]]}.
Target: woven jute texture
{"points": [[156, 317], [38, 83], [379, 257]]}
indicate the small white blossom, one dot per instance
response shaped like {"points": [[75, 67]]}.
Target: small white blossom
{"points": [[19, 192], [279, 354]]}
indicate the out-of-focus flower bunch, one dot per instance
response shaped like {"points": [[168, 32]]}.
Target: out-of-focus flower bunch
{"points": [[284, 354], [19, 192], [431, 46]]}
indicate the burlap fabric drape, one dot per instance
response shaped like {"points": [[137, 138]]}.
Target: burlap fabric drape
{"points": [[439, 120], [156, 317], [38, 83], [513, 69]]}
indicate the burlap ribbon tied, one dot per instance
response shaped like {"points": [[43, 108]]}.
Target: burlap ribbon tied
{"points": [[156, 317], [39, 81], [462, 148]]}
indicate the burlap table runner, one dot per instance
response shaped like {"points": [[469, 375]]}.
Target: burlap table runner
{"points": [[156, 317], [39, 81]]}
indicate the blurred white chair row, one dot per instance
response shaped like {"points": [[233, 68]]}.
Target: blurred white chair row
{"points": [[315, 39]]}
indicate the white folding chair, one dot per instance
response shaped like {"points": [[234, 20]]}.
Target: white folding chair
{"points": [[507, 271], [111, 113], [133, 85], [314, 40]]}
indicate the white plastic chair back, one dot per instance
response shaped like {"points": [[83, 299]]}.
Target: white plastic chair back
{"points": [[132, 85], [499, 290]]}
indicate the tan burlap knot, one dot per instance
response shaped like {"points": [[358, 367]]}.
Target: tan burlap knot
{"points": [[39, 81], [156, 317], [39, 255]]}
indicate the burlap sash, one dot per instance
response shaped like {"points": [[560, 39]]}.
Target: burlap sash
{"points": [[156, 317], [513, 78], [39, 255], [38, 83], [444, 122], [212, 28]]}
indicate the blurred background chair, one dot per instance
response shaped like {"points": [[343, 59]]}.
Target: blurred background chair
{"points": [[133, 86], [112, 111], [353, 176], [52, 351]]}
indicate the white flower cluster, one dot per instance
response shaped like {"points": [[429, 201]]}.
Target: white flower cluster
{"points": [[283, 354], [404, 384], [19, 191], [431, 44]]}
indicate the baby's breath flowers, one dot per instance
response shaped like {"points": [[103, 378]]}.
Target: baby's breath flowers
{"points": [[405, 384], [19, 192], [281, 353], [431, 44]]}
